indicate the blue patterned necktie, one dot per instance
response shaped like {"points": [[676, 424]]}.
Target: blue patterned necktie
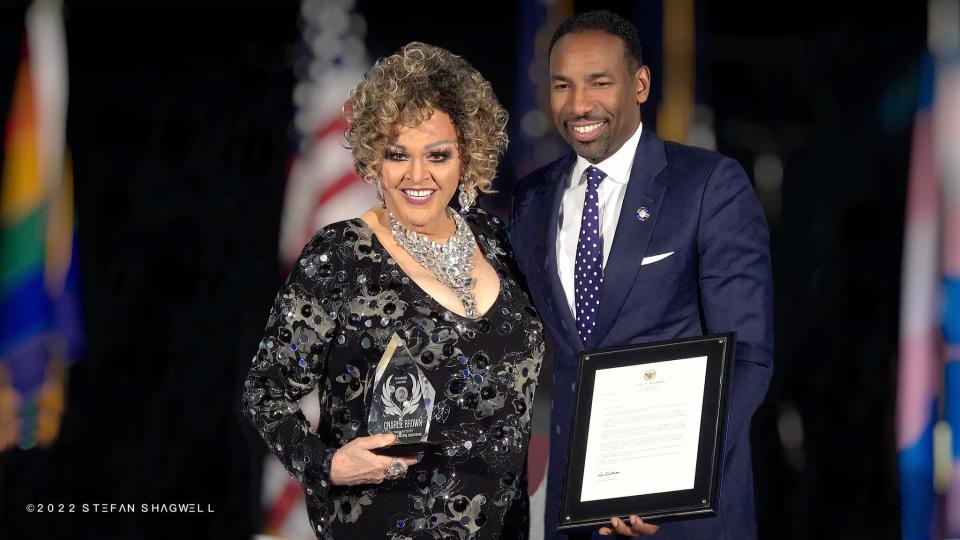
{"points": [[589, 270]]}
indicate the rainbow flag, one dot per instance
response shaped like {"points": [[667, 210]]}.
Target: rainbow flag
{"points": [[928, 391], [40, 330]]}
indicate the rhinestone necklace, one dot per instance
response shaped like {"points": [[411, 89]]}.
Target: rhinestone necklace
{"points": [[450, 262]]}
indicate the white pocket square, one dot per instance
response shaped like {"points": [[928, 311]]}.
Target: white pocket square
{"points": [[655, 258]]}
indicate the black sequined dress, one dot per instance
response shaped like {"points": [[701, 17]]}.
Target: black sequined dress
{"points": [[328, 329]]}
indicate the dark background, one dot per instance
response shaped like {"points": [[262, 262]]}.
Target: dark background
{"points": [[180, 126]]}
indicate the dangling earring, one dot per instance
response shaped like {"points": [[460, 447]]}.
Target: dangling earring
{"points": [[466, 198]]}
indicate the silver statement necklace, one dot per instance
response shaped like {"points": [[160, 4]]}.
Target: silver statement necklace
{"points": [[451, 262]]}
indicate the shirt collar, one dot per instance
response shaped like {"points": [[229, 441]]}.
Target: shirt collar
{"points": [[617, 167]]}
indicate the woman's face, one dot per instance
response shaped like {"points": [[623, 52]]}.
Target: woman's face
{"points": [[420, 173]]}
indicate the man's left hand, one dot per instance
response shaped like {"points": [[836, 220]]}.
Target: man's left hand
{"points": [[634, 527]]}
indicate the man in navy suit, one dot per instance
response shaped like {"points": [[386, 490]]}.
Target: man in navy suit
{"points": [[630, 239]]}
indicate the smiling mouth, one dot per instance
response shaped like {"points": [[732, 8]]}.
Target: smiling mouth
{"points": [[418, 196], [587, 132]]}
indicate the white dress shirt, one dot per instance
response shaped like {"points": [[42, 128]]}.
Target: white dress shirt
{"points": [[611, 190]]}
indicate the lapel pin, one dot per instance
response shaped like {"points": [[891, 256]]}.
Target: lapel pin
{"points": [[643, 214]]}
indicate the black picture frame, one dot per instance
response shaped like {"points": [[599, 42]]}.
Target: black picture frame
{"points": [[701, 501]]}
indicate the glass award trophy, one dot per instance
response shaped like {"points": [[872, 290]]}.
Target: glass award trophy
{"points": [[402, 401]]}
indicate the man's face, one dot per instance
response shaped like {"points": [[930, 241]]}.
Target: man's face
{"points": [[594, 95]]}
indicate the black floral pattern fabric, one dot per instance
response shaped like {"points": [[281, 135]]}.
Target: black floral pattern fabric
{"points": [[328, 328]]}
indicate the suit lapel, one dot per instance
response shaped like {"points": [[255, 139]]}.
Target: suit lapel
{"points": [[546, 218], [633, 235], [558, 182]]}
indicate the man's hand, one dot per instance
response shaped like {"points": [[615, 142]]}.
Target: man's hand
{"points": [[635, 527]]}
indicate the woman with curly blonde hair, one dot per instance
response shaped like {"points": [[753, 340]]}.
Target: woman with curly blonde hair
{"points": [[412, 321]]}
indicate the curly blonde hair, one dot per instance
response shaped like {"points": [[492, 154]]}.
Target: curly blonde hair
{"points": [[402, 89]]}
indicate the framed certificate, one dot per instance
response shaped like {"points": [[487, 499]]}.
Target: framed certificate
{"points": [[647, 434]]}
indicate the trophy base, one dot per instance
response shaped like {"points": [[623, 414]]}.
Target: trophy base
{"points": [[406, 449]]}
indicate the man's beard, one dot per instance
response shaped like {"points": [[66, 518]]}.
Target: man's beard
{"points": [[593, 151]]}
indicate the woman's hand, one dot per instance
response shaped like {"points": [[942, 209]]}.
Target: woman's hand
{"points": [[354, 463], [634, 527]]}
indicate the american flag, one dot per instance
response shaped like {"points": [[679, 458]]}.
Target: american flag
{"points": [[322, 187]]}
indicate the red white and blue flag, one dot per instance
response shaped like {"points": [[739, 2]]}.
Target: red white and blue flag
{"points": [[322, 187], [928, 392]]}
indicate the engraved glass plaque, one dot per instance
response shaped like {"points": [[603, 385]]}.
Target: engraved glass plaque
{"points": [[402, 401]]}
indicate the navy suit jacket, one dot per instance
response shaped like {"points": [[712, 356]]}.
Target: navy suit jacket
{"points": [[703, 209]]}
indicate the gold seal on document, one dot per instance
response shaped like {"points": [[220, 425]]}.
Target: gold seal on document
{"points": [[650, 374]]}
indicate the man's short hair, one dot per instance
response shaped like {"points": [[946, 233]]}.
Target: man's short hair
{"points": [[608, 23]]}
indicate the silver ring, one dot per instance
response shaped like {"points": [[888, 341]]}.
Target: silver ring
{"points": [[396, 469]]}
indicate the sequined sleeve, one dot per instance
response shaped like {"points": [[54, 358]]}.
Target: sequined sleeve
{"points": [[496, 240], [492, 232], [289, 364]]}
